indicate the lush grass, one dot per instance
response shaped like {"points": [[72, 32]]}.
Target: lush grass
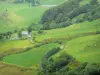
{"points": [[64, 34], [81, 40], [32, 14], [73, 31], [19, 16], [73, 35], [6, 69], [14, 46], [85, 49], [31, 57]]}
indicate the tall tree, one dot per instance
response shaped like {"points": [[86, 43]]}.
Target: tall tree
{"points": [[20, 34], [31, 2], [94, 2]]}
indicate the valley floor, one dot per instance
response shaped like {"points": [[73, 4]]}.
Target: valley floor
{"points": [[80, 40]]}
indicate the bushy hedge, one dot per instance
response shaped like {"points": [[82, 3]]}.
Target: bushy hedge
{"points": [[83, 69], [61, 66], [52, 52], [50, 66]]}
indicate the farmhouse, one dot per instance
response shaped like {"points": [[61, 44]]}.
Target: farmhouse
{"points": [[25, 33]]}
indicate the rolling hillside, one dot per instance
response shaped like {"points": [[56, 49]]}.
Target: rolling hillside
{"points": [[13, 47], [30, 58], [85, 49], [6, 69], [67, 44], [81, 41], [85, 31], [13, 16], [71, 32], [63, 16]]}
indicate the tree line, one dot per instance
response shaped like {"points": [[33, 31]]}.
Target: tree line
{"points": [[5, 35], [31, 2]]}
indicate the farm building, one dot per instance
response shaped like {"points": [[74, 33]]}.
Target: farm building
{"points": [[25, 33]]}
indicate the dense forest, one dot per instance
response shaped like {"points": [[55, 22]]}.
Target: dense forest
{"points": [[71, 12]]}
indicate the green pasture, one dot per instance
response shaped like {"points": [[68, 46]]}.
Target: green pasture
{"points": [[19, 16], [85, 49], [73, 31], [31, 57]]}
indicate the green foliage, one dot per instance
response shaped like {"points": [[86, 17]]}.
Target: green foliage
{"points": [[18, 1], [1, 36], [94, 2], [97, 32], [40, 32], [30, 29], [50, 66], [33, 2], [82, 69], [5, 35], [20, 34], [58, 41], [62, 15], [52, 52], [60, 65]]}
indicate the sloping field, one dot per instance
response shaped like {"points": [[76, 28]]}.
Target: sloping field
{"points": [[73, 31], [31, 57], [85, 49], [14, 16]]}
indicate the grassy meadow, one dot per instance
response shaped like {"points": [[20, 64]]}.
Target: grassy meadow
{"points": [[80, 40], [82, 31], [6, 69], [14, 16], [85, 49], [30, 58], [73, 31], [10, 45]]}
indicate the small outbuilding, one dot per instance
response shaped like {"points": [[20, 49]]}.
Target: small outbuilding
{"points": [[25, 33]]}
